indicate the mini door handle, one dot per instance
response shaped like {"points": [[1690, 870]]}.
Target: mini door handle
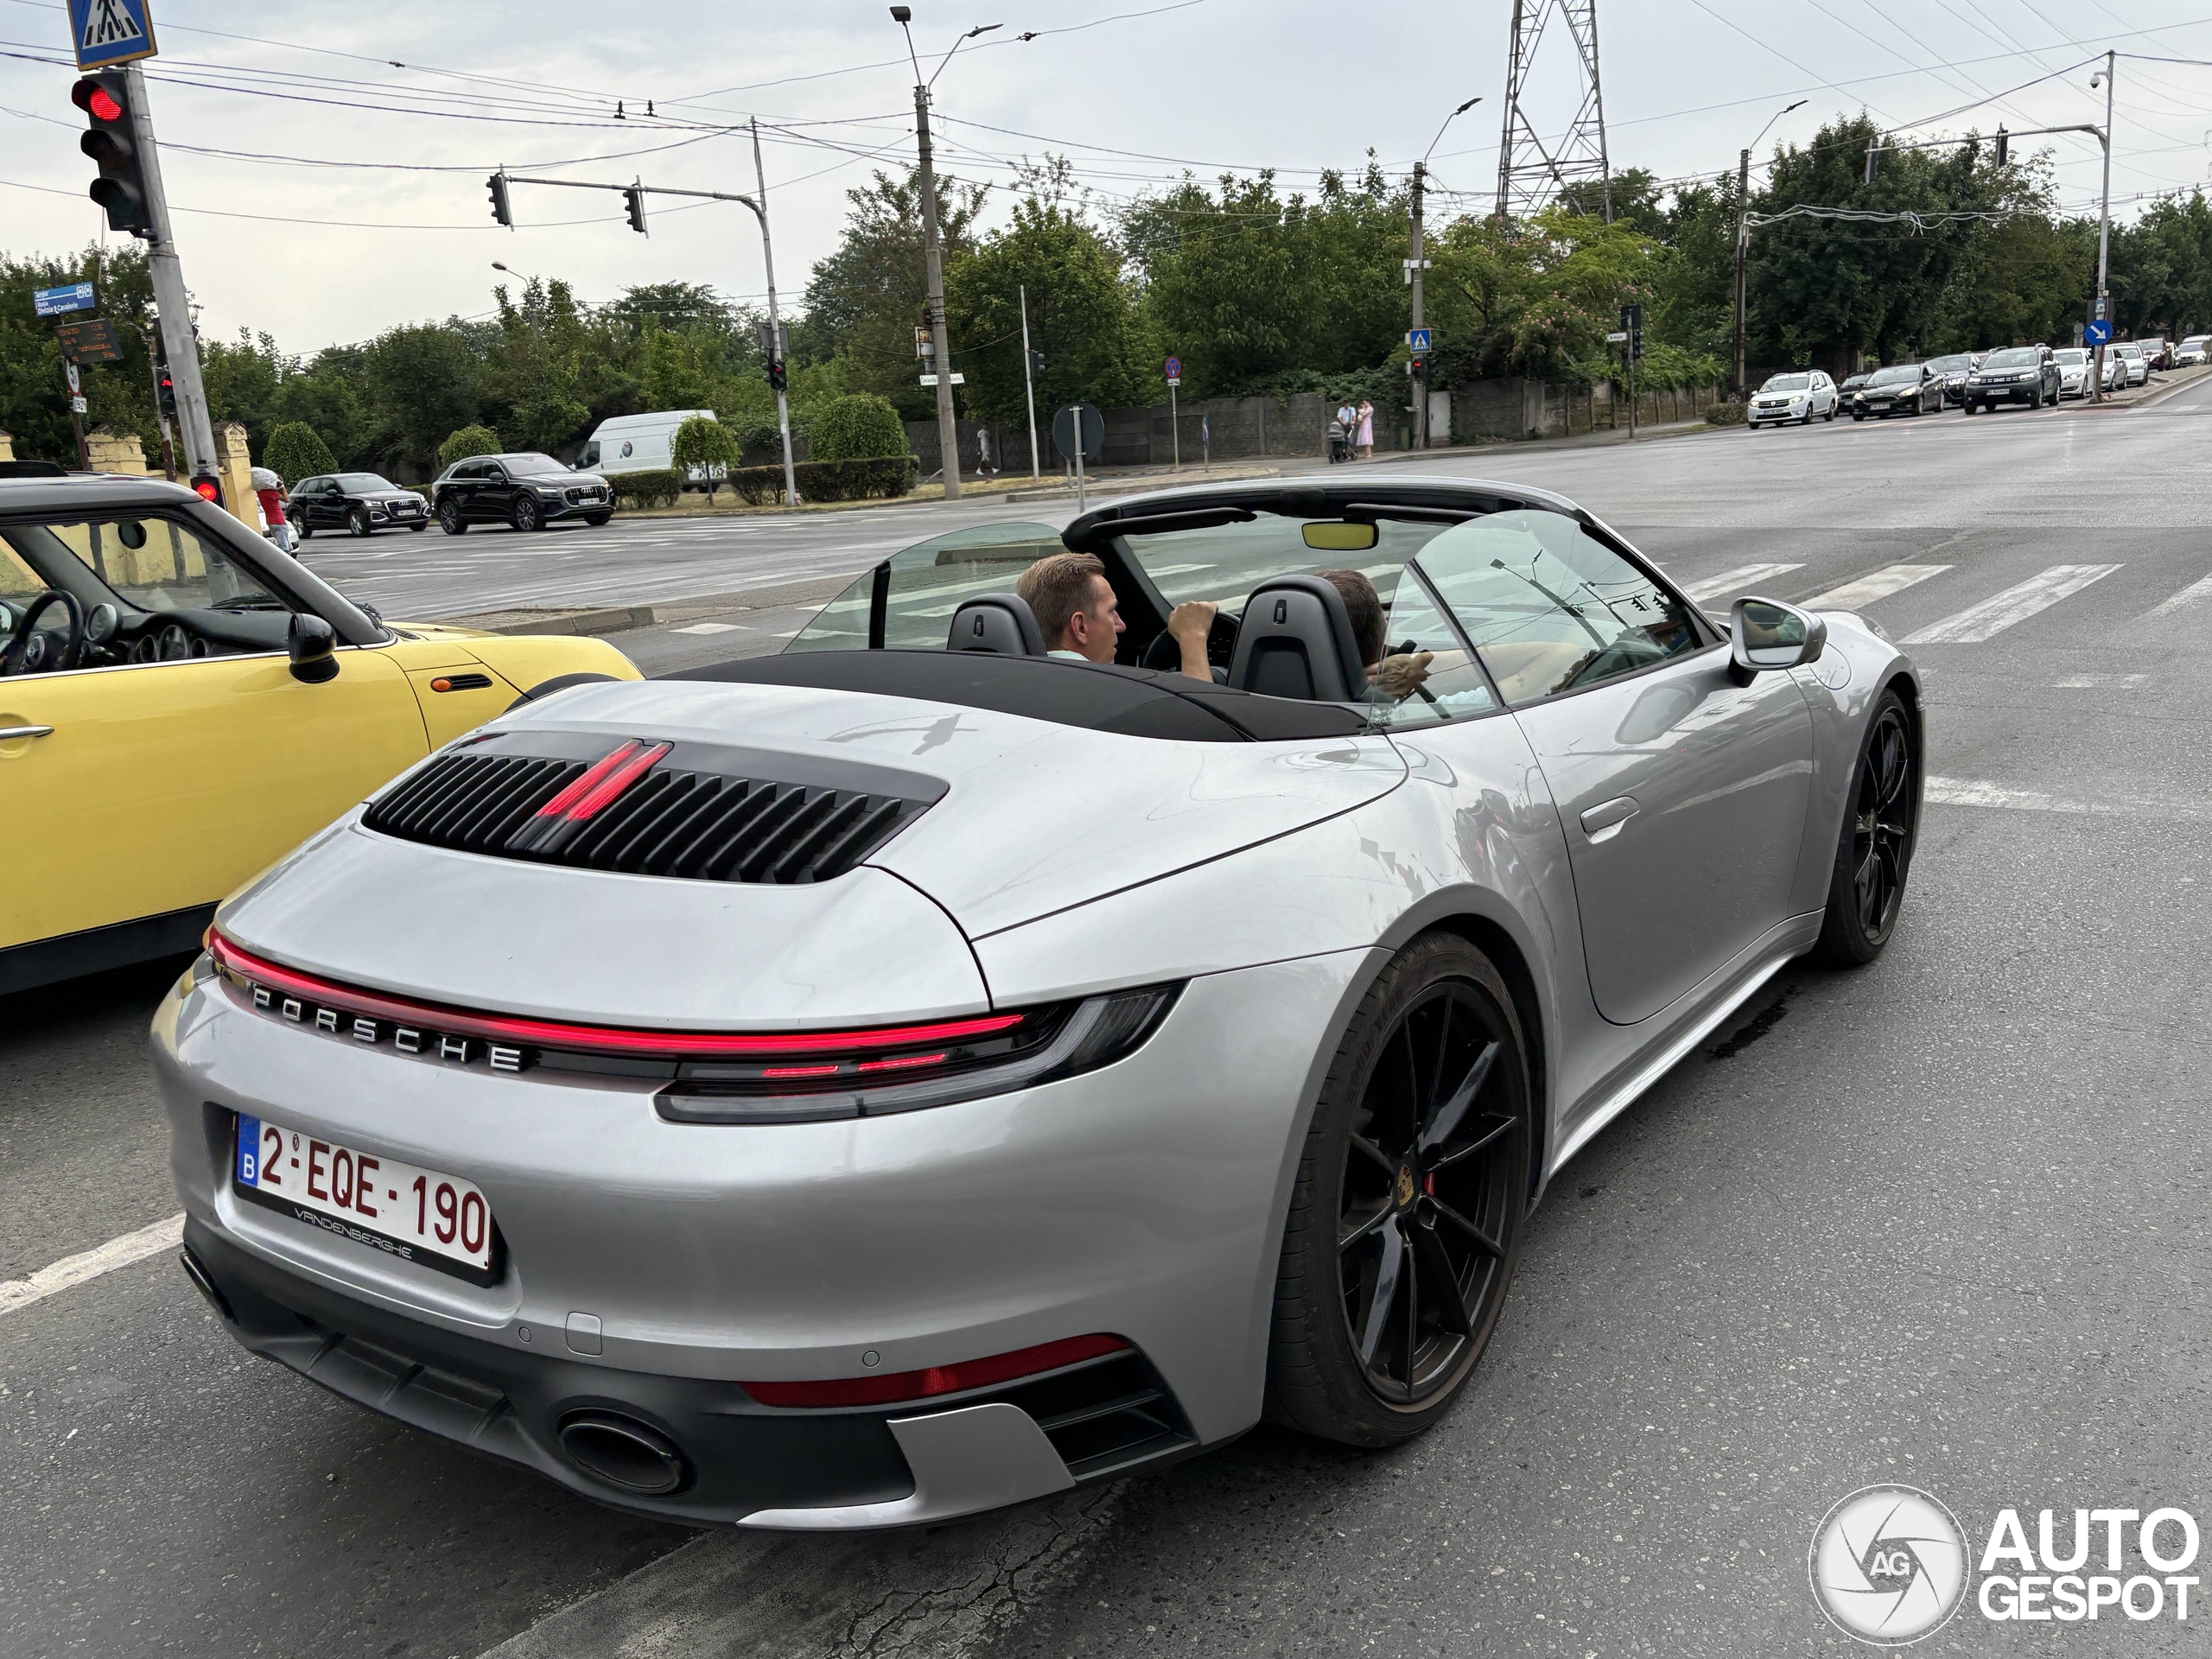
{"points": [[9, 733], [1604, 821]]}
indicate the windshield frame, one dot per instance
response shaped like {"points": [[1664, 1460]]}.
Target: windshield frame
{"points": [[2012, 357], [1798, 380], [1898, 374]]}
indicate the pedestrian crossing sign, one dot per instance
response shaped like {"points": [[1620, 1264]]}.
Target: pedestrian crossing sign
{"points": [[1417, 340], [109, 32]]}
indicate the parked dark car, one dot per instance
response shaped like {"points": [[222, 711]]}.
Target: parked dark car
{"points": [[362, 503], [1953, 372], [1852, 387], [2019, 374], [1901, 389], [528, 491]]}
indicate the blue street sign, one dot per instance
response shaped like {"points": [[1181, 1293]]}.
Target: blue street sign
{"points": [[53, 301], [1417, 340], [109, 32], [2098, 333], [1174, 368]]}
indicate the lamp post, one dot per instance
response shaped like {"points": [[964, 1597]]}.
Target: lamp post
{"points": [[2104, 226], [1744, 236], [948, 436], [1413, 272]]}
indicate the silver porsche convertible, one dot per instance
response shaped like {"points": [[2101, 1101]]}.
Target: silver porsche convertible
{"points": [[917, 1072]]}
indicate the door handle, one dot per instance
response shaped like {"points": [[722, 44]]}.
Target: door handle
{"points": [[9, 733], [1604, 821]]}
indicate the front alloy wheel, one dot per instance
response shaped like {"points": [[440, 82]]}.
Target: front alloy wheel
{"points": [[450, 518], [1406, 1220], [1874, 853], [525, 517], [358, 521]]}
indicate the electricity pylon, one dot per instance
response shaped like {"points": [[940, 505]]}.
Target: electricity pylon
{"points": [[1531, 169]]}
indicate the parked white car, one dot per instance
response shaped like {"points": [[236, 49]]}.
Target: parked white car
{"points": [[2131, 357], [2074, 368], [637, 444], [2194, 350], [1802, 396]]}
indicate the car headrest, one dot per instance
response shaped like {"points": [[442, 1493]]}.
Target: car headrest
{"points": [[1296, 641], [1000, 623]]}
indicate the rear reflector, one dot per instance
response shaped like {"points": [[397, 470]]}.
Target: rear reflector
{"points": [[937, 1379]]}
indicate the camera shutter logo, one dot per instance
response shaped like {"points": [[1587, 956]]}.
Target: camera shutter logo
{"points": [[1888, 1565]]}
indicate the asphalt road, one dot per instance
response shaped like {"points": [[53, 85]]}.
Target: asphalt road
{"points": [[1941, 1221]]}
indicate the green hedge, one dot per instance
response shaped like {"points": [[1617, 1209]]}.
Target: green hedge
{"points": [[1726, 414], [657, 488], [829, 480], [467, 441]]}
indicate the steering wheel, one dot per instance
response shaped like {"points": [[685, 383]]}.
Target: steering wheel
{"points": [[1164, 654], [30, 649]]}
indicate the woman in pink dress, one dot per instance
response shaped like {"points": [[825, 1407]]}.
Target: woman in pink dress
{"points": [[1365, 438]]}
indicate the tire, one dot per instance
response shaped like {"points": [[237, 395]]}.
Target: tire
{"points": [[1858, 414], [596, 519], [300, 528], [1830, 415], [1356, 1223], [449, 520], [1874, 854], [357, 521], [525, 515], [420, 526]]}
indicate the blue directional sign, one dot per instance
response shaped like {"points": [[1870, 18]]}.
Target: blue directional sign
{"points": [[53, 301], [1417, 340], [109, 32], [2098, 333]]}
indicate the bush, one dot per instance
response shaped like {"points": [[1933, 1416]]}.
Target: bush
{"points": [[296, 450], [858, 427], [469, 440], [1726, 414], [829, 480], [657, 488], [707, 444]]}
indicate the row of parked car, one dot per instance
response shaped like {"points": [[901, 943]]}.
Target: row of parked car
{"points": [[2030, 375]]}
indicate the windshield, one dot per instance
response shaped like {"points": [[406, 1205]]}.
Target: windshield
{"points": [[150, 565], [1954, 364], [2020, 357], [1225, 562], [364, 483], [2071, 360], [1903, 375], [925, 584], [533, 462], [1788, 383], [2130, 349]]}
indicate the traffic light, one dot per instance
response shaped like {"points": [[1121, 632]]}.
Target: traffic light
{"points": [[2003, 145], [501, 210], [1036, 364], [1417, 365], [777, 379], [633, 201], [165, 394], [209, 486], [121, 187]]}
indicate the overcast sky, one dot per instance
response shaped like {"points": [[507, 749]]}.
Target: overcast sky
{"points": [[1146, 88]]}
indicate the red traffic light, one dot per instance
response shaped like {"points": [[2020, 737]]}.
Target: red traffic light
{"points": [[209, 489], [102, 106]]}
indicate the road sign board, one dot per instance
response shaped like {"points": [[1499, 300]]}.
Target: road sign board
{"points": [[1174, 370], [1174, 380], [958, 379], [76, 405], [88, 340], [69, 373], [2098, 333], [1093, 444], [1632, 317], [1417, 339], [1618, 337], [55, 301], [109, 32]]}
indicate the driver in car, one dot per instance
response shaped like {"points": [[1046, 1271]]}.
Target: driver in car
{"points": [[1396, 677], [1080, 619]]}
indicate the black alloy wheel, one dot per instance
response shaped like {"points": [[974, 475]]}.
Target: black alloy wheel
{"points": [[301, 528], [526, 514], [358, 521], [450, 518], [1874, 853], [1407, 1217]]}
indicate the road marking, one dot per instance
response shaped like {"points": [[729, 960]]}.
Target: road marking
{"points": [[1743, 577], [2089, 682], [1977, 791], [1879, 584], [90, 1264], [1985, 621], [708, 627], [2195, 594]]}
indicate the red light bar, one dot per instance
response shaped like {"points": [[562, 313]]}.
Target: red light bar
{"points": [[937, 1379], [616, 781], [594, 1040], [589, 781], [897, 1062]]}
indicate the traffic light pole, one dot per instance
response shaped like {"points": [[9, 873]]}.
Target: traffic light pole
{"points": [[775, 323], [1420, 381], [1028, 378], [170, 300]]}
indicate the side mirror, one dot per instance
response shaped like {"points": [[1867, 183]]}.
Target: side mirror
{"points": [[311, 642], [1764, 635]]}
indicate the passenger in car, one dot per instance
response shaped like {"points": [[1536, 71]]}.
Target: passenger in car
{"points": [[1393, 676], [1081, 619]]}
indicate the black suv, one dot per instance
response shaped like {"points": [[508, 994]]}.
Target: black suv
{"points": [[360, 502], [2019, 374], [528, 491]]}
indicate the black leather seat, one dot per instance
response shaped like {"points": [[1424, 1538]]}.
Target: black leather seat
{"points": [[1001, 624], [1296, 641]]}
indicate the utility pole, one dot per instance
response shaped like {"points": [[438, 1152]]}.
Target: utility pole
{"points": [[2104, 232], [1742, 253], [1413, 272], [948, 436], [1029, 380], [178, 335], [775, 323]]}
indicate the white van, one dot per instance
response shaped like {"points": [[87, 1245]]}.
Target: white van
{"points": [[637, 444]]}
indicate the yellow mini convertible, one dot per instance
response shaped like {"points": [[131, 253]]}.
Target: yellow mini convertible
{"points": [[180, 704]]}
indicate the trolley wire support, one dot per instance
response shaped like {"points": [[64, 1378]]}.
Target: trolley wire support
{"points": [[1531, 170]]}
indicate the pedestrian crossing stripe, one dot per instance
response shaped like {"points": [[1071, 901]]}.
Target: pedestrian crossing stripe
{"points": [[2190, 597], [1879, 584], [109, 23], [1736, 581], [1978, 624]]}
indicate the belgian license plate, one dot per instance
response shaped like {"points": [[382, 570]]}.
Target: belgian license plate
{"points": [[417, 1215]]}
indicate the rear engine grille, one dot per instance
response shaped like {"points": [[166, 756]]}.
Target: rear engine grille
{"points": [[695, 823]]}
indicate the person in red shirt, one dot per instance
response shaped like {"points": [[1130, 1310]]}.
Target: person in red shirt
{"points": [[269, 490]]}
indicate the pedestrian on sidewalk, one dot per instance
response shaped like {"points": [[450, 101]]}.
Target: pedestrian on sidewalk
{"points": [[269, 490], [1365, 440]]}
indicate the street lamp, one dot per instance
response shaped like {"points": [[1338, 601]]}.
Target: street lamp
{"points": [[1413, 269], [2104, 224], [948, 436], [1744, 233]]}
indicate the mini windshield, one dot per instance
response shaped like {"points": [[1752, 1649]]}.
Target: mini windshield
{"points": [[1788, 383], [2020, 357], [1903, 375], [364, 483]]}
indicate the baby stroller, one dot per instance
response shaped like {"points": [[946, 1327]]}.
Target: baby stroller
{"points": [[1339, 442]]}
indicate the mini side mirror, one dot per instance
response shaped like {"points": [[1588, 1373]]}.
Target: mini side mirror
{"points": [[311, 642], [1764, 635]]}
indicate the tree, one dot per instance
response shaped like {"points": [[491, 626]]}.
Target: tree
{"points": [[420, 381], [296, 450], [858, 427], [705, 444], [466, 442]]}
